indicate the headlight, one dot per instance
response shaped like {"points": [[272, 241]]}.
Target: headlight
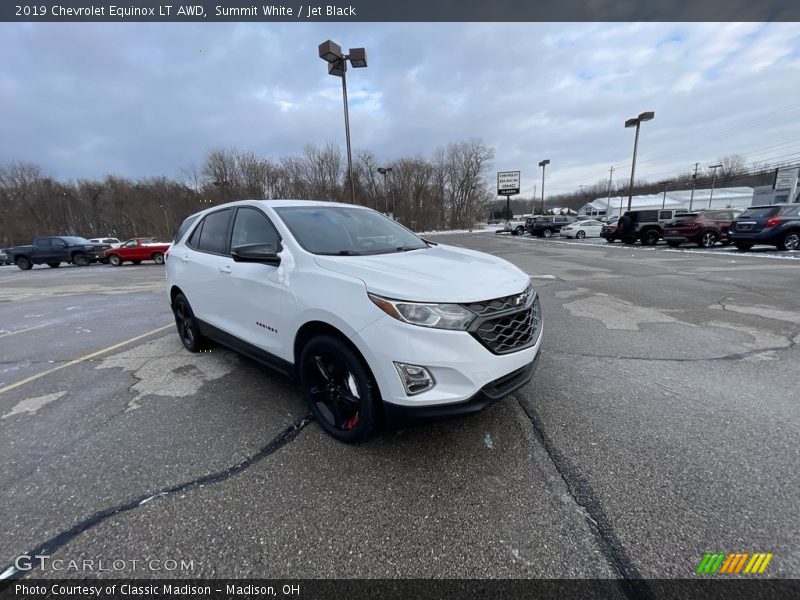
{"points": [[439, 316]]}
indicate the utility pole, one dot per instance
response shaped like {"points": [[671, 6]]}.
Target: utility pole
{"points": [[713, 180], [694, 183], [533, 200], [608, 202]]}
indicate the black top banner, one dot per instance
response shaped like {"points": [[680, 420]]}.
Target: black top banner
{"points": [[402, 10]]}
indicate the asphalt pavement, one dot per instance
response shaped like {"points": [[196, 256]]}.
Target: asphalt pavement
{"points": [[662, 423]]}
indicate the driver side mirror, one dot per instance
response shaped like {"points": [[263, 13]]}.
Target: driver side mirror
{"points": [[256, 253]]}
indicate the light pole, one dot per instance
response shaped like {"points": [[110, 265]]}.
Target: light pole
{"points": [[337, 66], [385, 171], [664, 197], [713, 179], [608, 201], [543, 164], [636, 122]]}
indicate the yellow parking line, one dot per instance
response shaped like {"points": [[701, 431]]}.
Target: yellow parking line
{"points": [[13, 386], [22, 330]]}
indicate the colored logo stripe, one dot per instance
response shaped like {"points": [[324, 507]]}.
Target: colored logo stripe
{"points": [[732, 563]]}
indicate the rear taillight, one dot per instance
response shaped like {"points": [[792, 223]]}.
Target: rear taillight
{"points": [[772, 221]]}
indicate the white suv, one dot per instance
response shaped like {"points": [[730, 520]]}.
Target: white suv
{"points": [[376, 324]]}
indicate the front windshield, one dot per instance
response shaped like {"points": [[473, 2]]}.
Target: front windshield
{"points": [[347, 231]]}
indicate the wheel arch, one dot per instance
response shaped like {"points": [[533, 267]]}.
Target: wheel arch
{"points": [[312, 329]]}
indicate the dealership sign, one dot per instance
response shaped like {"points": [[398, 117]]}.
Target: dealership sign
{"points": [[786, 179], [507, 183]]}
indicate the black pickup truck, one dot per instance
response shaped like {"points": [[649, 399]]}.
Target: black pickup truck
{"points": [[53, 250]]}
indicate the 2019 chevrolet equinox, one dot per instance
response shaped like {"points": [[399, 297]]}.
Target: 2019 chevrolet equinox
{"points": [[376, 323]]}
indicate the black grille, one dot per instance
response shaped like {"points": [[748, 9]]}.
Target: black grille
{"points": [[491, 307], [510, 332]]}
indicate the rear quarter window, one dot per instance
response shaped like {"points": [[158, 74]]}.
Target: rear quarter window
{"points": [[791, 211], [648, 216], [763, 212]]}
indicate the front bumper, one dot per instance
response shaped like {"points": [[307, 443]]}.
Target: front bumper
{"points": [[397, 416], [462, 367]]}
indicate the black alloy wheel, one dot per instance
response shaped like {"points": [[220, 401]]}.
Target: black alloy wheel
{"points": [[338, 389], [650, 238], [188, 329]]}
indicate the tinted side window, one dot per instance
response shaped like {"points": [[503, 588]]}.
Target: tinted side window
{"points": [[184, 227], [252, 226], [665, 214], [791, 211], [43, 243], [214, 235]]}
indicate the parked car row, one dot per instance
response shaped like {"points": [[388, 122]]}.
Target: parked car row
{"points": [[55, 250], [774, 225]]}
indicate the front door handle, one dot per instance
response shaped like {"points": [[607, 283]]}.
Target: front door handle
{"points": [[225, 269], [185, 258]]}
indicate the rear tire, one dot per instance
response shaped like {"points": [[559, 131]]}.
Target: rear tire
{"points": [[708, 239], [547, 233], [743, 246], [790, 241], [339, 389], [580, 235], [158, 258], [24, 263], [80, 260], [54, 265], [650, 238], [188, 328]]}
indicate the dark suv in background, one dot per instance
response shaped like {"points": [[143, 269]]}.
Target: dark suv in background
{"points": [[774, 225], [647, 226], [547, 226], [703, 227]]}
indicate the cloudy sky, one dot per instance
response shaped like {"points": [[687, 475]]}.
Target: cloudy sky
{"points": [[137, 99]]}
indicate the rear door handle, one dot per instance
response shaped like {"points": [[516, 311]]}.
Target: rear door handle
{"points": [[225, 269]]}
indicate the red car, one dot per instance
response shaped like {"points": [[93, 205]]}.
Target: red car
{"points": [[136, 250], [703, 227]]}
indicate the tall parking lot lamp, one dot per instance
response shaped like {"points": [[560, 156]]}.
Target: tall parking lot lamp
{"points": [[636, 122], [713, 180], [385, 171], [331, 53], [543, 164]]}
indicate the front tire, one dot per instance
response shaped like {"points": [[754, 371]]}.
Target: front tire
{"points": [[338, 389], [24, 263], [115, 260], [80, 260], [790, 241], [188, 329]]}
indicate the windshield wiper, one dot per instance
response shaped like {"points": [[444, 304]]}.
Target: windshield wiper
{"points": [[406, 248], [347, 253]]}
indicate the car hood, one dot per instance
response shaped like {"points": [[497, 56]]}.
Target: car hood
{"points": [[435, 274]]}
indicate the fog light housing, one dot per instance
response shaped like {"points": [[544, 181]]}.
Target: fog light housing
{"points": [[415, 379]]}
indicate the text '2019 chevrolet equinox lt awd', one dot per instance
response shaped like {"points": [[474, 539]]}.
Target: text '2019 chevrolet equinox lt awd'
{"points": [[376, 324]]}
